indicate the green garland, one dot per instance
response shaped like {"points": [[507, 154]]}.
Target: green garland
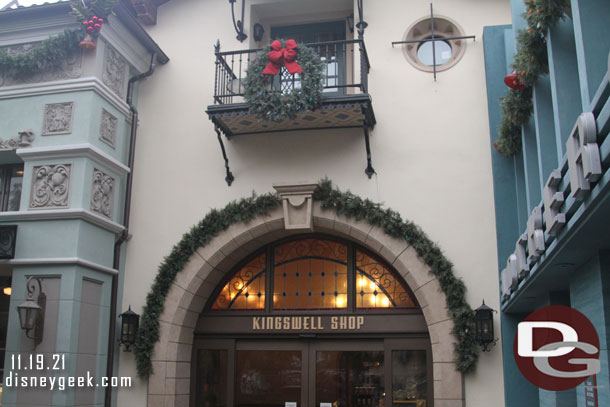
{"points": [[530, 62], [272, 105], [344, 203], [50, 53]]}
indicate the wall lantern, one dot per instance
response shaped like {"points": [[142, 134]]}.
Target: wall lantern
{"points": [[258, 32], [239, 24], [484, 321], [8, 289], [130, 321], [31, 313], [350, 22]]}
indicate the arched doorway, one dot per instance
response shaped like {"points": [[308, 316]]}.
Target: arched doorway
{"points": [[172, 380], [312, 320]]}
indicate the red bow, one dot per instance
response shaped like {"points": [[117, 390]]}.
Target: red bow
{"points": [[279, 56]]}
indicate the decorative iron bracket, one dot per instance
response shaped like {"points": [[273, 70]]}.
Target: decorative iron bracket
{"points": [[239, 24], [229, 178]]}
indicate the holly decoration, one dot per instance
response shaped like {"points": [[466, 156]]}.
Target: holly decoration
{"points": [[530, 62], [268, 103]]}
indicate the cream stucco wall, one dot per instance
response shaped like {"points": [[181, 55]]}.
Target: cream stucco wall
{"points": [[430, 148]]}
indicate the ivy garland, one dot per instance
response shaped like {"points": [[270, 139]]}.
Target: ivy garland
{"points": [[344, 203], [270, 104], [50, 53], [530, 62]]}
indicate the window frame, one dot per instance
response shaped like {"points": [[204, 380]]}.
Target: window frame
{"points": [[350, 309], [6, 176]]}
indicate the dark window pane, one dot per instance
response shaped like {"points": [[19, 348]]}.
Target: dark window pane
{"points": [[211, 378], [409, 379], [14, 193], [347, 379], [268, 378]]}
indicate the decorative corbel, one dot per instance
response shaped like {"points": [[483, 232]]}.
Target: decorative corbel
{"points": [[297, 201]]}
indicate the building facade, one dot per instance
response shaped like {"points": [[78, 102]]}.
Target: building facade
{"points": [[290, 300]]}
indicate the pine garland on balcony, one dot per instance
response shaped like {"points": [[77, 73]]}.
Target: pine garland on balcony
{"points": [[273, 105], [530, 62], [343, 203], [52, 52]]}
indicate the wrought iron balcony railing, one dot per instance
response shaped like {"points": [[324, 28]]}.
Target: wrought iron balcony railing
{"points": [[346, 71], [346, 102]]}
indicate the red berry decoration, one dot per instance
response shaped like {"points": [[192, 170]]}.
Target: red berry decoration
{"points": [[97, 26], [101, 20], [90, 30]]}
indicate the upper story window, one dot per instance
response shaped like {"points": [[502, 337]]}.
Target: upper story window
{"points": [[11, 180], [313, 273]]}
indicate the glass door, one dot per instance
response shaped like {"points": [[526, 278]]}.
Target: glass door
{"points": [[346, 374]]}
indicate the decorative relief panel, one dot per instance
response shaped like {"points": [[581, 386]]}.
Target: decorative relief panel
{"points": [[102, 193], [57, 118], [108, 128], [115, 70], [69, 69], [50, 186], [24, 139]]}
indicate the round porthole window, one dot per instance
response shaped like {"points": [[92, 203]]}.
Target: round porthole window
{"points": [[433, 48]]}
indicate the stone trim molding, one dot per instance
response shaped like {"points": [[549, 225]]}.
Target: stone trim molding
{"points": [[62, 86], [170, 382], [76, 261], [56, 214], [74, 150]]}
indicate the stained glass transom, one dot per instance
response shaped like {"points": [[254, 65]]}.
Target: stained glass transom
{"points": [[310, 274], [246, 289], [377, 287]]}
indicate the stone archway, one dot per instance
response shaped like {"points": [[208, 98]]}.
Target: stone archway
{"points": [[169, 385]]}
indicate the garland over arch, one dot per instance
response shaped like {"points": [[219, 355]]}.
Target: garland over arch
{"points": [[344, 203]]}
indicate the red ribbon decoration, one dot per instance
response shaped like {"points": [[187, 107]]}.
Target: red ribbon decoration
{"points": [[286, 56]]}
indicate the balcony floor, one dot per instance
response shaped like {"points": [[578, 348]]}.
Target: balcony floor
{"points": [[336, 112]]}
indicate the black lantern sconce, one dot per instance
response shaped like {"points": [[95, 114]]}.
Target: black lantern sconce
{"points": [[258, 32], [239, 24], [350, 22], [130, 321], [31, 313], [484, 320]]}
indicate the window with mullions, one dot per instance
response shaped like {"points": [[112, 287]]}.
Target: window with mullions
{"points": [[313, 273], [11, 180]]}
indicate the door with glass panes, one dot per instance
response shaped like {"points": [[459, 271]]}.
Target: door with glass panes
{"points": [[312, 372], [328, 41]]}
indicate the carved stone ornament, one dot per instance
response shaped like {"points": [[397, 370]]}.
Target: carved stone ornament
{"points": [[102, 193], [24, 139], [50, 186], [57, 118], [70, 67], [108, 128], [115, 70], [297, 204], [583, 155]]}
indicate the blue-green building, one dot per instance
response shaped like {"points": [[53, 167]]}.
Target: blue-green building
{"points": [[552, 199]]}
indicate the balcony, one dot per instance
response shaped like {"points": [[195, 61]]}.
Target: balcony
{"points": [[345, 102]]}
